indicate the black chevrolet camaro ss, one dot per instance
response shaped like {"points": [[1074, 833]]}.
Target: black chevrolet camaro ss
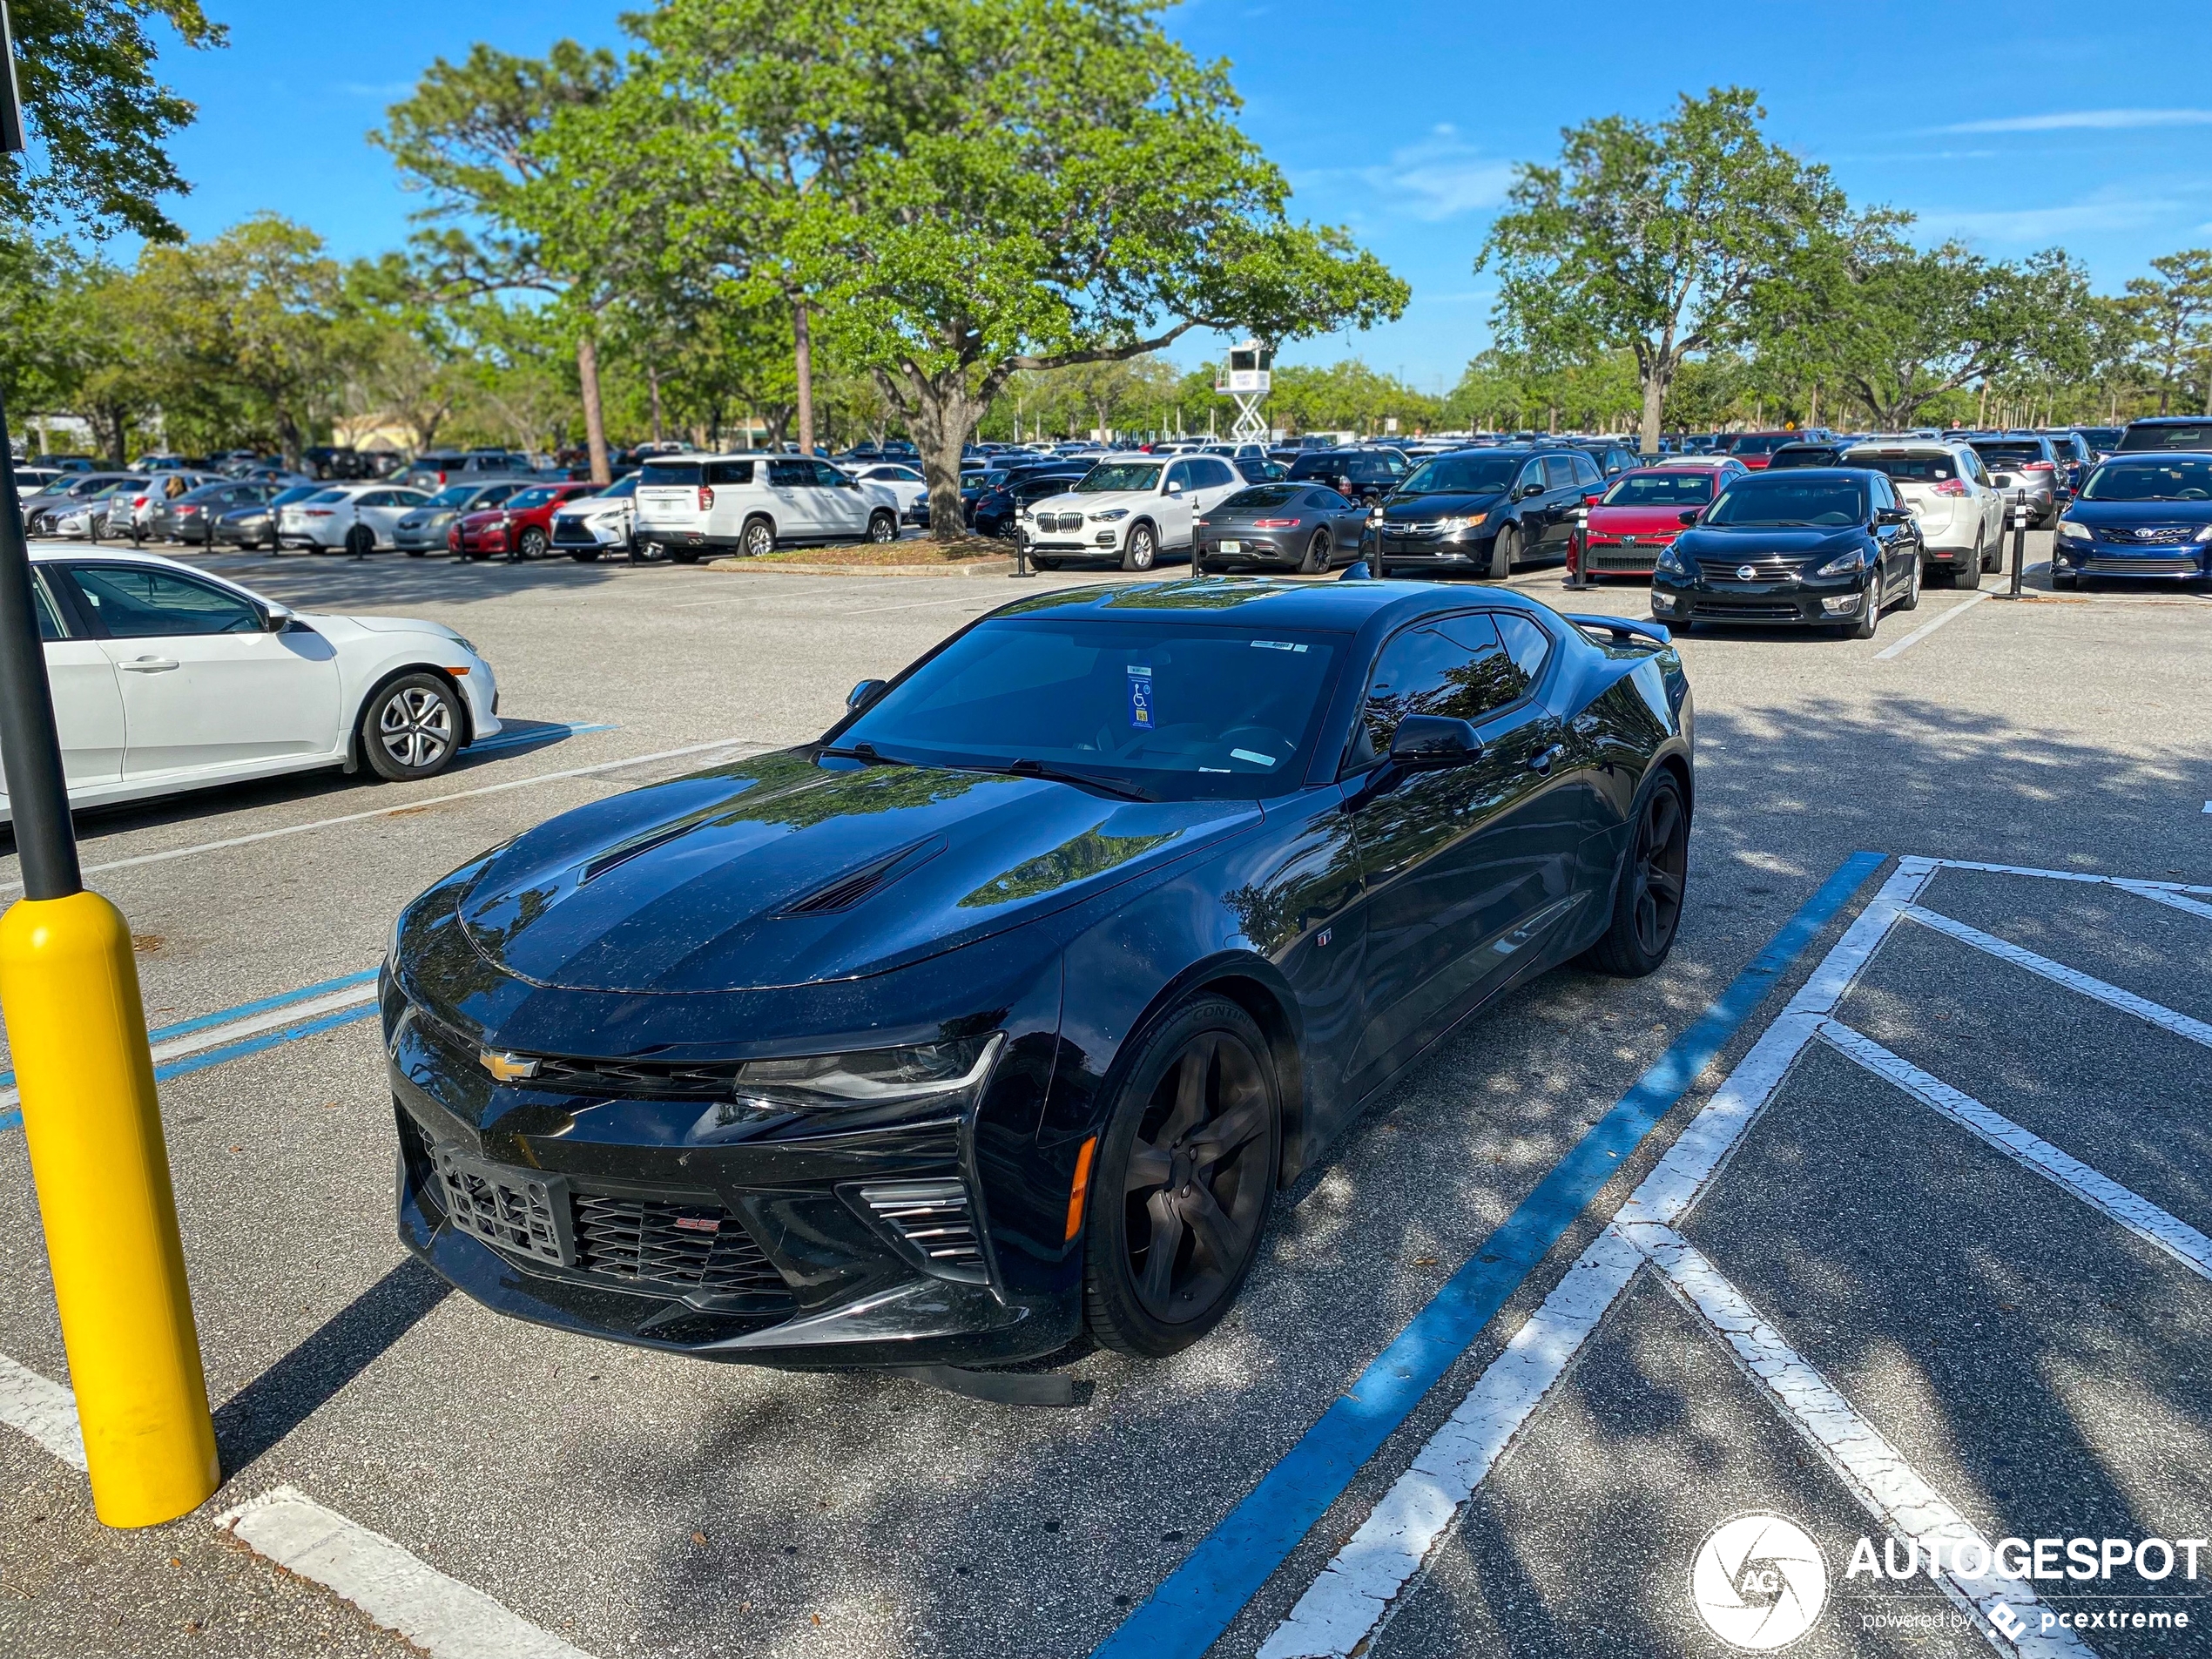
{"points": [[1007, 1007]]}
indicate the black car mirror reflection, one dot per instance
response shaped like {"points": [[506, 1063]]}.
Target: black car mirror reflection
{"points": [[865, 693], [1426, 742], [1687, 517]]}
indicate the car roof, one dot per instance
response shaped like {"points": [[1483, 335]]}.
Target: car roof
{"points": [[1254, 601]]}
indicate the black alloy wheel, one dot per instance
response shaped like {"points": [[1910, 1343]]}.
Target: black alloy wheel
{"points": [[1649, 893], [1185, 1180], [1142, 548], [1317, 555], [1505, 547]]}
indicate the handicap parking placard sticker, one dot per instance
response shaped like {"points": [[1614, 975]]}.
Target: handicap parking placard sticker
{"points": [[1140, 696]]}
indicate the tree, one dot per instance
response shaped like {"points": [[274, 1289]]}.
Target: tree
{"points": [[97, 120], [474, 138], [2174, 312], [1656, 238], [993, 185]]}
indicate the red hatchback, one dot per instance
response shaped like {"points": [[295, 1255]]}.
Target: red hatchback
{"points": [[521, 527], [1626, 528]]}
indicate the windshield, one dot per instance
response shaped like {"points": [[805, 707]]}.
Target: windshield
{"points": [[297, 492], [1766, 501], [1176, 711], [530, 498], [1661, 490], [1907, 467], [453, 496], [2187, 479], [668, 472], [1474, 475], [2145, 435], [620, 489], [2010, 454], [1759, 443], [1122, 475], [2100, 437]]}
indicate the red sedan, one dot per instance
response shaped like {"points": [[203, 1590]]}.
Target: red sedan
{"points": [[521, 527], [1624, 529]]}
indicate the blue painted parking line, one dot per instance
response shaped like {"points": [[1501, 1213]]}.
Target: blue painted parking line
{"points": [[185, 1028], [239, 1050], [522, 738], [1194, 1604]]}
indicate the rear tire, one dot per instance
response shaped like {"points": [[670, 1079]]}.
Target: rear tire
{"points": [[1505, 547], [361, 540], [1184, 1181], [410, 728], [1649, 893], [757, 539], [1315, 561]]}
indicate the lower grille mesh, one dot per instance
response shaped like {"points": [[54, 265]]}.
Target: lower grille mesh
{"points": [[679, 1247]]}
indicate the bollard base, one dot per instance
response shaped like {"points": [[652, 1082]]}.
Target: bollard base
{"points": [[69, 987]]}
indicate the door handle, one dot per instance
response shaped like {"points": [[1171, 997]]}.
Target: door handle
{"points": [[149, 665], [1541, 764]]}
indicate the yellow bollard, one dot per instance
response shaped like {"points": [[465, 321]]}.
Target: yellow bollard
{"points": [[69, 987]]}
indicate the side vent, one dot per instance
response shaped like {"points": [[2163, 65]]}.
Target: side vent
{"points": [[864, 882], [933, 1220]]}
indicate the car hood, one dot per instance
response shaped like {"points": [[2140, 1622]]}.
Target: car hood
{"points": [[2117, 514], [1636, 521], [774, 872], [1754, 541], [1419, 508], [335, 626], [1098, 501]]}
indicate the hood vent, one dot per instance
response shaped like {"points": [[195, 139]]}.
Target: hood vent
{"points": [[856, 885], [638, 848]]}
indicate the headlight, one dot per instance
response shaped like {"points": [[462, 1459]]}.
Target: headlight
{"points": [[1109, 516], [2070, 532], [923, 1075], [467, 646], [2205, 534], [1460, 522], [410, 523], [1842, 564], [1670, 560]]}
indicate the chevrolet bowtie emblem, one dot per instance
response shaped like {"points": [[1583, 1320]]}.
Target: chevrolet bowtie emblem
{"points": [[507, 1067]]}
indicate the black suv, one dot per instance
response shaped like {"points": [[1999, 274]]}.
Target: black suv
{"points": [[1362, 475], [2192, 432], [1485, 510]]}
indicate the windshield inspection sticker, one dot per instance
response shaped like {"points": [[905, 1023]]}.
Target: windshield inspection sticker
{"points": [[1275, 644], [1140, 697]]}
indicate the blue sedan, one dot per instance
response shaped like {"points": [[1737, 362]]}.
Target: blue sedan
{"points": [[1006, 1008], [2141, 518]]}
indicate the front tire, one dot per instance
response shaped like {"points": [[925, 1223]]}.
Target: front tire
{"points": [[883, 528], [584, 555], [1870, 617], [1505, 547], [531, 543], [1142, 551], [411, 728], [1648, 894], [1185, 1180], [361, 540]]}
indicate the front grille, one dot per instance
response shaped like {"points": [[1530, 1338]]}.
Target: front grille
{"points": [[933, 1218], [573, 532], [1599, 559], [639, 1078], [1406, 527], [1768, 568], [675, 1247], [1745, 613], [2140, 566], [2150, 536], [1059, 524]]}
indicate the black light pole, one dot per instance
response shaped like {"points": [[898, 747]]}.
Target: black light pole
{"points": [[38, 795]]}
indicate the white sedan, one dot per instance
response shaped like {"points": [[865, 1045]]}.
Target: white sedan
{"points": [[359, 518], [905, 482], [168, 678]]}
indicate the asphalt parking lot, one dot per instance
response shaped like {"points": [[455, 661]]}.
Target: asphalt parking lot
{"points": [[2000, 1299]]}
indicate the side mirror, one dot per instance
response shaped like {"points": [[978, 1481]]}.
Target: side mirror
{"points": [[275, 618], [1592, 501], [865, 693], [1428, 742], [1527, 491], [1174, 487], [1688, 517], [1894, 516]]}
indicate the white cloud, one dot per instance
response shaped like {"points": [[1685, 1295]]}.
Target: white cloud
{"points": [[1441, 176], [383, 89], [2089, 120], [2039, 225]]}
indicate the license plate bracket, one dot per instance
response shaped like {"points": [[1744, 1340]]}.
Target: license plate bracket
{"points": [[523, 1212]]}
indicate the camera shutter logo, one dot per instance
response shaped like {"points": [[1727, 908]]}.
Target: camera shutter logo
{"points": [[1759, 1582]]}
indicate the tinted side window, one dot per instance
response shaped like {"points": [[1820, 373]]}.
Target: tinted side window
{"points": [[1532, 474], [1213, 473], [1586, 471], [1462, 674], [1179, 474], [134, 603], [788, 475], [50, 622], [830, 477], [729, 472], [1558, 472]]}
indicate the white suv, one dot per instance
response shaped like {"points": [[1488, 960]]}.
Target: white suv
{"points": [[689, 505], [1960, 512], [1129, 508]]}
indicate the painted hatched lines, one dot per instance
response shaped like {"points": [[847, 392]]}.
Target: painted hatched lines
{"points": [[43, 1409], [2141, 1007]]}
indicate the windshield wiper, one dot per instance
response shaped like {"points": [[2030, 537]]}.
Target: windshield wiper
{"points": [[865, 752], [1025, 768]]}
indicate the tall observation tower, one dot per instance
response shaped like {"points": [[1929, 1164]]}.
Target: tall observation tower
{"points": [[1246, 381]]}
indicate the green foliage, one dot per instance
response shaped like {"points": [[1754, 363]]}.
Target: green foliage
{"points": [[97, 119], [2170, 317]]}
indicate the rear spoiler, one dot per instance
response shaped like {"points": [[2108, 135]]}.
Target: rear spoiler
{"points": [[1626, 632]]}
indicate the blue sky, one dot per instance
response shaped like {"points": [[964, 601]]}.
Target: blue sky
{"points": [[2013, 126]]}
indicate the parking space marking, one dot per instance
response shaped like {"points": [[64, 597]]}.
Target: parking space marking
{"points": [[921, 605], [2137, 1214], [399, 1590], [553, 733], [1930, 626], [43, 1409], [229, 842], [2058, 974], [1873, 1470], [2126, 883], [1193, 1605]]}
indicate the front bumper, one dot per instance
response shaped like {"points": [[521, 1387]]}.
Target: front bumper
{"points": [[1772, 599], [1461, 547], [2171, 562]]}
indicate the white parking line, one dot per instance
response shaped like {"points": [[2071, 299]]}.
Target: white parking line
{"points": [[404, 806], [2058, 974], [2126, 883], [399, 1591], [2137, 1214], [924, 604], [1930, 626], [43, 1409], [1873, 1470]]}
